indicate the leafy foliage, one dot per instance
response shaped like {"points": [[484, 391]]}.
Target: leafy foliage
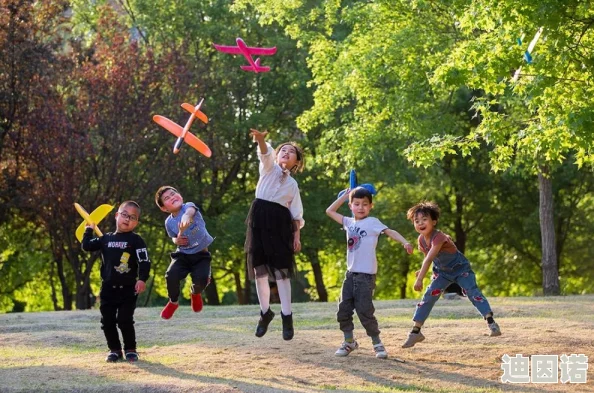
{"points": [[418, 97]]}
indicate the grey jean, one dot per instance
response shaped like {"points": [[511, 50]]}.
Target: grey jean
{"points": [[357, 295]]}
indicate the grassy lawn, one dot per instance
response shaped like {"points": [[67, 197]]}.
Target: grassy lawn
{"points": [[216, 350]]}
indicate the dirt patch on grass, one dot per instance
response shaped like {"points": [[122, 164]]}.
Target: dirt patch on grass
{"points": [[216, 350]]}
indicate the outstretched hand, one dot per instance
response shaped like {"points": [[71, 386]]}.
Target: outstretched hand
{"points": [[185, 222], [409, 249], [258, 135]]}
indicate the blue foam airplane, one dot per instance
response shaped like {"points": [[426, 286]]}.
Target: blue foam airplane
{"points": [[353, 184]]}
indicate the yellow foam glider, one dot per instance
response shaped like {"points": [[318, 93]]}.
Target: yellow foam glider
{"points": [[94, 218]]}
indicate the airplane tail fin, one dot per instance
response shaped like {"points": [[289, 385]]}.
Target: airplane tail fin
{"points": [[256, 69], [199, 114]]}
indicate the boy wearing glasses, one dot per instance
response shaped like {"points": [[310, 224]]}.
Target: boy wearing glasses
{"points": [[125, 268], [186, 227]]}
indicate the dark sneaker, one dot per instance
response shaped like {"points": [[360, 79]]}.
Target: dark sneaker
{"points": [[412, 339], [196, 300], [494, 329], [169, 309], [131, 356], [263, 323], [346, 348], [114, 356], [288, 331]]}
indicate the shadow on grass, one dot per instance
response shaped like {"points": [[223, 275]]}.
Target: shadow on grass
{"points": [[366, 366], [160, 369]]}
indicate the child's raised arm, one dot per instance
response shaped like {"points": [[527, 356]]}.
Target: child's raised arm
{"points": [[259, 137], [186, 219], [331, 211], [392, 234], [89, 242]]}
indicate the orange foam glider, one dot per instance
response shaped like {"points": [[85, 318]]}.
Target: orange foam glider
{"points": [[182, 133]]}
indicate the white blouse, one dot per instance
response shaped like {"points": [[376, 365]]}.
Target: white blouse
{"points": [[277, 186]]}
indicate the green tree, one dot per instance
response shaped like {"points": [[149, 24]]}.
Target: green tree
{"points": [[388, 74], [235, 101], [542, 118]]}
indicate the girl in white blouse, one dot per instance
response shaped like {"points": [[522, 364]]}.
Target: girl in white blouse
{"points": [[273, 229]]}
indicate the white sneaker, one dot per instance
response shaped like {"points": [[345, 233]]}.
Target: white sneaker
{"points": [[380, 351], [346, 348]]}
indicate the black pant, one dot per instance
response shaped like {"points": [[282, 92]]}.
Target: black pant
{"points": [[117, 310], [196, 265]]}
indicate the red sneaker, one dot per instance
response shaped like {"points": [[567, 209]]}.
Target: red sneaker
{"points": [[169, 310], [196, 302]]}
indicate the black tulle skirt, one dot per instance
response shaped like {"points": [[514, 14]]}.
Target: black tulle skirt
{"points": [[269, 241]]}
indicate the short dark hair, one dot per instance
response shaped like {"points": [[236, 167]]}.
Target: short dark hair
{"points": [[160, 192], [360, 193], [425, 208], [130, 203]]}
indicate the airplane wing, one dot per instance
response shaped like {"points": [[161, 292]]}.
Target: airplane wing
{"points": [[190, 108], [261, 51], [227, 49], [96, 216], [177, 130]]}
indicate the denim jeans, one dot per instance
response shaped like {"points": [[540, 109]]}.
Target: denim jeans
{"points": [[460, 273], [357, 295]]}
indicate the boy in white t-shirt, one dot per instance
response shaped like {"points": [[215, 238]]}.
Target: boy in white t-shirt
{"points": [[359, 282]]}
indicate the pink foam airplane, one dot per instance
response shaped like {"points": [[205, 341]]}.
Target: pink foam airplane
{"points": [[248, 52], [182, 133]]}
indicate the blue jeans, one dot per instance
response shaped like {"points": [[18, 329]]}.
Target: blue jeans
{"points": [[460, 273], [357, 295]]}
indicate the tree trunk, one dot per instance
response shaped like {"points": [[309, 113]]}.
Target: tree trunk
{"points": [[318, 276], [404, 273], [66, 295], [238, 288], [83, 297], [53, 288], [212, 295], [149, 291], [460, 239], [550, 270], [459, 228], [247, 290]]}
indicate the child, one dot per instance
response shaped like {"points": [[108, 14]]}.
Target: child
{"points": [[273, 229], [125, 268], [449, 266], [359, 283], [187, 229]]}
